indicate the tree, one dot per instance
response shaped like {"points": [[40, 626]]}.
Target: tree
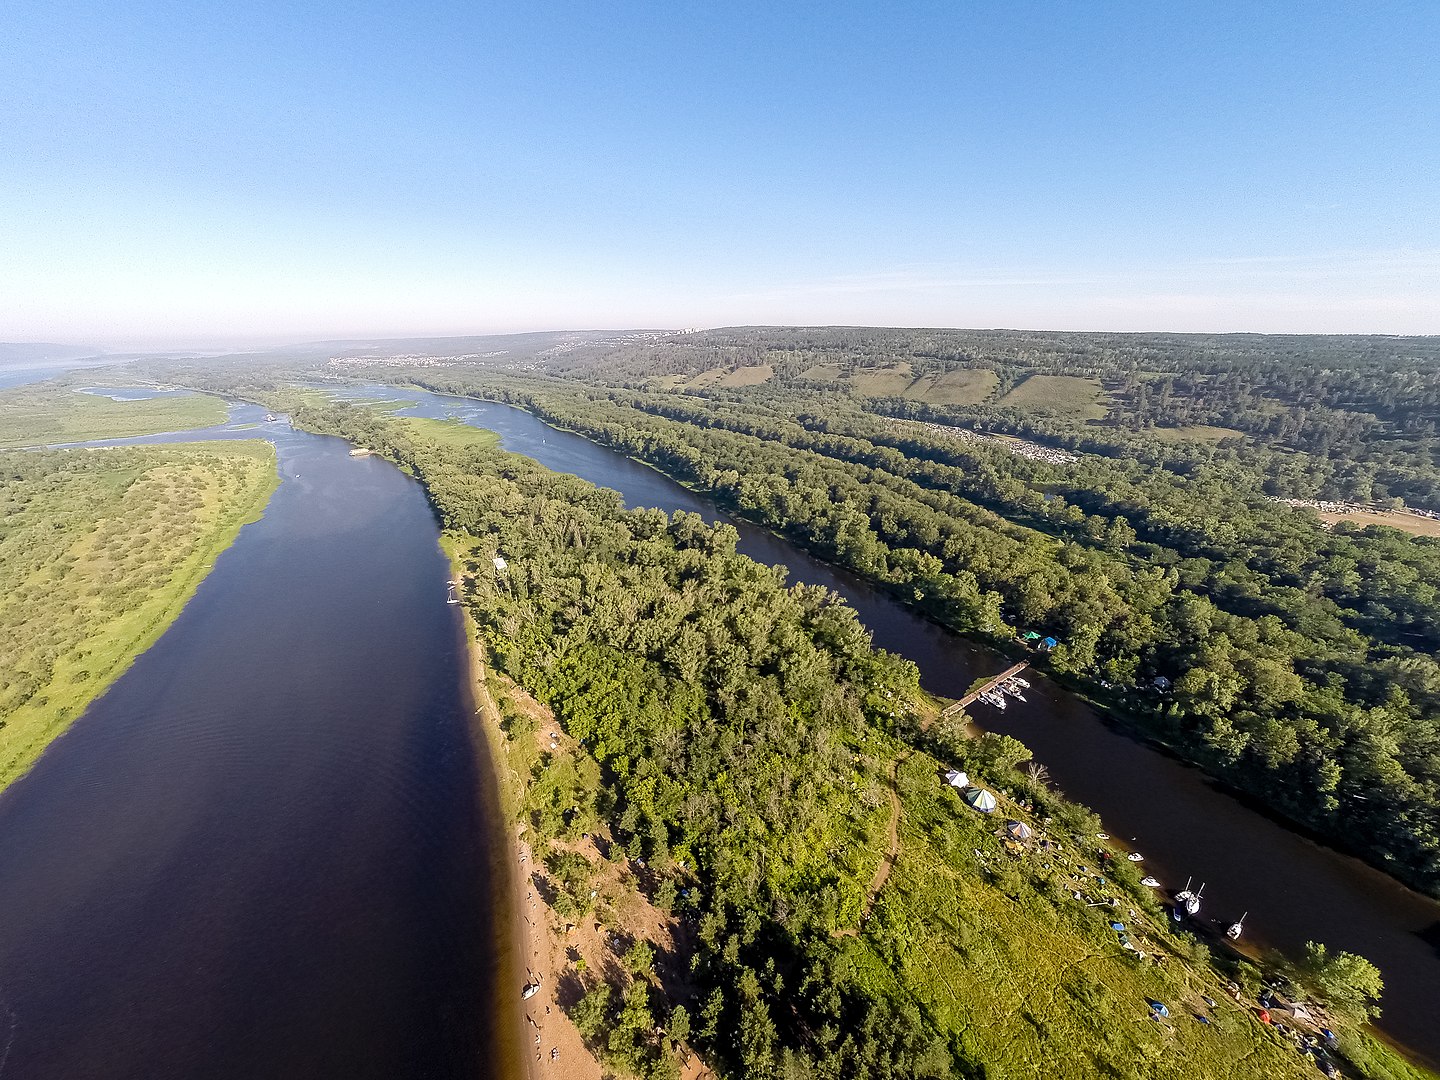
{"points": [[1343, 980]]}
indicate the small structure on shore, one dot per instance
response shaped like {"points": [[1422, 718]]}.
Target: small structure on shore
{"points": [[981, 800], [957, 779]]}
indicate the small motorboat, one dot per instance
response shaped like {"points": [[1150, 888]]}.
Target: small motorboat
{"points": [[531, 989], [1135, 856], [270, 418], [1013, 691], [1102, 836], [1020, 683], [1236, 928], [1177, 913], [1150, 882]]}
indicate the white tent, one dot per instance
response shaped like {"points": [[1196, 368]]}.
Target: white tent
{"points": [[957, 779], [981, 800]]}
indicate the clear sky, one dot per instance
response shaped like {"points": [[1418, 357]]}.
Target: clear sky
{"points": [[200, 171]]}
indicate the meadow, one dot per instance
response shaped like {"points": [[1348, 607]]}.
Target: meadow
{"points": [[56, 412], [1064, 395], [99, 551]]}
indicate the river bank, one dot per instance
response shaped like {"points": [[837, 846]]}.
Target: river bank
{"points": [[548, 949], [128, 561]]}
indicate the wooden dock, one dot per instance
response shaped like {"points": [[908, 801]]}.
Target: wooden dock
{"points": [[1008, 673]]}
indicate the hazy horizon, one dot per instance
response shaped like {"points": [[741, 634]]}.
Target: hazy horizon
{"points": [[373, 171]]}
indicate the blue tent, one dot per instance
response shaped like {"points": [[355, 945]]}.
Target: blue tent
{"points": [[1160, 1010], [1049, 643]]}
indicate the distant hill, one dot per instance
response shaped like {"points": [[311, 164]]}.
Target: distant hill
{"points": [[40, 352]]}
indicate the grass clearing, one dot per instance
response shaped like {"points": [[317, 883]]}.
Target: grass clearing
{"points": [[41, 413], [1031, 981], [969, 386], [1194, 433], [447, 432], [99, 551], [753, 375], [823, 372], [1413, 524], [1067, 395], [882, 382]]}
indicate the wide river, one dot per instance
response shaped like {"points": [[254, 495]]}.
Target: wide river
{"points": [[1294, 889], [266, 851]]}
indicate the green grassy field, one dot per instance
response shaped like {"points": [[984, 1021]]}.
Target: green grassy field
{"points": [[57, 413], [447, 432], [99, 551], [1194, 433], [822, 372], [882, 382], [1030, 980], [1064, 394], [753, 375], [969, 386]]}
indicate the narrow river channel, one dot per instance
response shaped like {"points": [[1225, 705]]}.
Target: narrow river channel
{"points": [[1294, 889], [266, 851]]}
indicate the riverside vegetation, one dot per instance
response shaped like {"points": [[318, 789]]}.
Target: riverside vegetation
{"points": [[1299, 659], [58, 412], [99, 551], [742, 738]]}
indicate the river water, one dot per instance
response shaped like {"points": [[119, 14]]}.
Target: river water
{"points": [[267, 850], [1294, 890]]}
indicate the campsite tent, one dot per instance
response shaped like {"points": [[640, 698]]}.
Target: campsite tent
{"points": [[1160, 1009], [1018, 830], [980, 799], [957, 779], [1049, 643]]}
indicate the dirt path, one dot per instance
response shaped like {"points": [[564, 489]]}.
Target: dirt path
{"points": [[892, 849]]}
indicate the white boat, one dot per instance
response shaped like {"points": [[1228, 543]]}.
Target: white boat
{"points": [[1135, 856], [1150, 882], [1185, 893], [1236, 928], [1020, 683], [1192, 905], [1013, 691], [531, 989], [1102, 836]]}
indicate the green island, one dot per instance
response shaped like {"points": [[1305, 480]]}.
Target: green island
{"points": [[748, 805], [99, 552], [59, 411]]}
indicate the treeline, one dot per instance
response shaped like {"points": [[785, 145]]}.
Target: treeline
{"points": [[1277, 686]]}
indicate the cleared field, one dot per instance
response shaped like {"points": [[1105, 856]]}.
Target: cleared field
{"points": [[1026, 978], [1195, 433], [822, 372], [99, 551], [51, 413], [967, 387], [706, 378], [1410, 523], [1068, 395], [753, 375], [447, 432], [882, 382]]}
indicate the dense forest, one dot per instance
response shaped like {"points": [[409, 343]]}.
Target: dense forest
{"points": [[1299, 660], [1350, 417], [741, 735]]}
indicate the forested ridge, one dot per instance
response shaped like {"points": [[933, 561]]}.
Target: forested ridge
{"points": [[742, 735], [1360, 411], [1300, 659]]}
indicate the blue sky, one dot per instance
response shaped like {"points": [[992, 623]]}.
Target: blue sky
{"points": [[195, 172]]}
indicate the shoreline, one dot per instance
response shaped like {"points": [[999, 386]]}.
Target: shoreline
{"points": [[185, 582], [524, 940]]}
